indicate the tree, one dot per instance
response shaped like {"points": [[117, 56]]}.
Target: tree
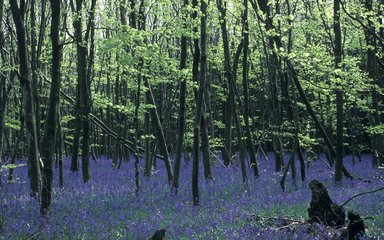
{"points": [[249, 140], [50, 130], [182, 98], [339, 93], [83, 78], [3, 90], [18, 14]]}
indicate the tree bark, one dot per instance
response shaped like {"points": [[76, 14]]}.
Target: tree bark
{"points": [[248, 131], [315, 119], [229, 103], [198, 114], [27, 94], [50, 130], [339, 95], [3, 90], [183, 88]]}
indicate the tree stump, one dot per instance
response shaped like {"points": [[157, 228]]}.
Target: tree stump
{"points": [[322, 209], [356, 228], [159, 235]]}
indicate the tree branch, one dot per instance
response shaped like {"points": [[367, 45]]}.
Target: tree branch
{"points": [[361, 194]]}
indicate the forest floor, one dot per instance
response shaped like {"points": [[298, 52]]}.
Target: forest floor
{"points": [[108, 208]]}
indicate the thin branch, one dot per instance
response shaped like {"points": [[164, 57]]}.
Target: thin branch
{"points": [[379, 38], [361, 194]]}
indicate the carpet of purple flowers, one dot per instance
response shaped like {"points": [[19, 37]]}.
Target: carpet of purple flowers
{"points": [[108, 208]]}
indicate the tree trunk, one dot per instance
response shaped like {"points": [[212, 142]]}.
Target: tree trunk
{"points": [[27, 93], [203, 85], [181, 119], [315, 119], [339, 94], [60, 147], [83, 78], [229, 103], [371, 69], [159, 130], [50, 130], [248, 131], [198, 114]]}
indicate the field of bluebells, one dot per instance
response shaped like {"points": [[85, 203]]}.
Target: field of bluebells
{"points": [[108, 208]]}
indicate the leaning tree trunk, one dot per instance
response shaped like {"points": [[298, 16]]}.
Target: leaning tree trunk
{"points": [[50, 130], [27, 94], [314, 117]]}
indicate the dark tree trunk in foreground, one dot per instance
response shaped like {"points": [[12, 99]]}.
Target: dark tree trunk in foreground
{"points": [[181, 120], [339, 95], [48, 144], [27, 95]]}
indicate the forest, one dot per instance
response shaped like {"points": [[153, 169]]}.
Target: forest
{"points": [[192, 119]]}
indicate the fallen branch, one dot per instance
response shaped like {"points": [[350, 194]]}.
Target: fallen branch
{"points": [[274, 218], [36, 234], [361, 194], [217, 158]]}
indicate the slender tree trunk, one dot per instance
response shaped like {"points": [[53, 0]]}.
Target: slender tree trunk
{"points": [[205, 140], [159, 130], [371, 69], [315, 119], [292, 141], [248, 132], [339, 94], [229, 103], [147, 143], [3, 107], [14, 154], [183, 88], [50, 131], [240, 133], [83, 79], [199, 110], [203, 83], [76, 139], [3, 90], [60, 147], [27, 93]]}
